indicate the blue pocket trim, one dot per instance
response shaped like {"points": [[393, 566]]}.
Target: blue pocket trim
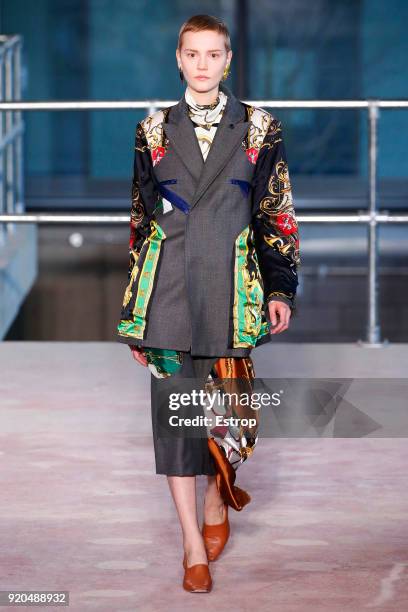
{"points": [[245, 186], [172, 197]]}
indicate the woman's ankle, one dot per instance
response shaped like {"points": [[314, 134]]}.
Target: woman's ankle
{"points": [[212, 498], [194, 546]]}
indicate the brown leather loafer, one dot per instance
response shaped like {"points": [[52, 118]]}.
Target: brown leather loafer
{"points": [[197, 578], [216, 536]]}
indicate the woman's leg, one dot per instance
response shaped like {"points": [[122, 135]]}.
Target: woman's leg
{"points": [[183, 490], [182, 458], [214, 510]]}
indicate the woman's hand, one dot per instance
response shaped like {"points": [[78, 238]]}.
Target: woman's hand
{"points": [[138, 354], [283, 311]]}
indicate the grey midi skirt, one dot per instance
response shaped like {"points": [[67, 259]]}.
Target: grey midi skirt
{"points": [[179, 450]]}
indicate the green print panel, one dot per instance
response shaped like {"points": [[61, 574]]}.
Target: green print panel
{"points": [[249, 323], [135, 328]]}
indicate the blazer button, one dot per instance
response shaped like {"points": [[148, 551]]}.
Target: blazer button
{"points": [[232, 125]]}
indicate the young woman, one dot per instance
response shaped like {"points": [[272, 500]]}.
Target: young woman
{"points": [[214, 252]]}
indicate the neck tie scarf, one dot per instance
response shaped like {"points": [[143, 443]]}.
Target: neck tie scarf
{"points": [[205, 118]]}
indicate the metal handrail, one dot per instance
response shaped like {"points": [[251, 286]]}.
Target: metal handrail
{"points": [[371, 218], [155, 103], [119, 219]]}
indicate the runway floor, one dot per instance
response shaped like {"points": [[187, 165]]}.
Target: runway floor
{"points": [[83, 511]]}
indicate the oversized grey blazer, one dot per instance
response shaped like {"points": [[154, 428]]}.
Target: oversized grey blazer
{"points": [[211, 242]]}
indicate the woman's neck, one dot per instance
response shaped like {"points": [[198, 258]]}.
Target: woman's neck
{"points": [[204, 97]]}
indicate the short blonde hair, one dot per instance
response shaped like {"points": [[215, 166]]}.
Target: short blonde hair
{"points": [[197, 23]]}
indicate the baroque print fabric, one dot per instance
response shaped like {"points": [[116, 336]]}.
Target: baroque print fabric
{"points": [[274, 220], [205, 118], [146, 236], [233, 436]]}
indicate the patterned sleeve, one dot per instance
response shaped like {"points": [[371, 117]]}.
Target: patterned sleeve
{"points": [[143, 192], [274, 220]]}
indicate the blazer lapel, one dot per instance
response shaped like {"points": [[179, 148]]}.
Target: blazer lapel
{"points": [[228, 137], [184, 140]]}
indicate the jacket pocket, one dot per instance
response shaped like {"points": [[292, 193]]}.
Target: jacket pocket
{"points": [[138, 292], [172, 197], [249, 321]]}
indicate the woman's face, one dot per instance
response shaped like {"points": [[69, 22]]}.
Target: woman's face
{"points": [[203, 54]]}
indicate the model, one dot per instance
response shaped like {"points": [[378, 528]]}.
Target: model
{"points": [[214, 254]]}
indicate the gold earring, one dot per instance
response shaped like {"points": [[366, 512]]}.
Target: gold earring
{"points": [[225, 74]]}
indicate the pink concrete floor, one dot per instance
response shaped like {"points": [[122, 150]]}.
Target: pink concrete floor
{"points": [[82, 509]]}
